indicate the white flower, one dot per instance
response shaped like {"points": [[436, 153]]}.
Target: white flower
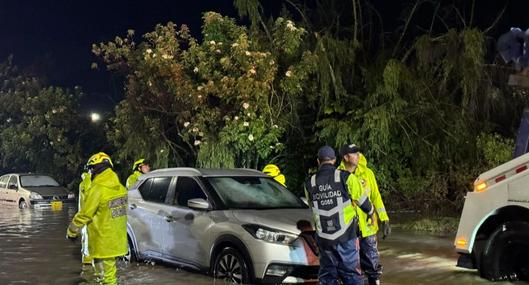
{"points": [[217, 51], [149, 50], [275, 126], [197, 142], [248, 53], [288, 73], [236, 118], [161, 150], [252, 71], [54, 111], [234, 45], [212, 42], [153, 55], [186, 124], [246, 124], [166, 56], [272, 62], [249, 114], [290, 26], [219, 43], [245, 105], [149, 83], [250, 137], [195, 70], [199, 88], [195, 130], [199, 96]]}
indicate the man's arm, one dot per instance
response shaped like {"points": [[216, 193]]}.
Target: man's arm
{"points": [[85, 214], [358, 195]]}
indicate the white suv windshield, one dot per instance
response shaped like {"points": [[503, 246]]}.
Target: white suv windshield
{"points": [[254, 193], [37, 181]]}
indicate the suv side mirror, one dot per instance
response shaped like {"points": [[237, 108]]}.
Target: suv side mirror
{"points": [[198, 204]]}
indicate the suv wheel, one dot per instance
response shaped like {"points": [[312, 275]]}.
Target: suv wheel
{"points": [[504, 255], [231, 266], [23, 204]]}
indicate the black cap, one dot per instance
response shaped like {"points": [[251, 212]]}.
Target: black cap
{"points": [[326, 153], [349, 148]]}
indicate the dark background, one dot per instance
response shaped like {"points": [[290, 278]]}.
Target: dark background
{"points": [[52, 39]]}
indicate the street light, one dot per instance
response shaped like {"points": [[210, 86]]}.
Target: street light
{"points": [[95, 117]]}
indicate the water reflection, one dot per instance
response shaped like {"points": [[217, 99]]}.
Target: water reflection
{"points": [[33, 250]]}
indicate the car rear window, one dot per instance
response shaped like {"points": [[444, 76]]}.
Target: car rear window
{"points": [[155, 189]]}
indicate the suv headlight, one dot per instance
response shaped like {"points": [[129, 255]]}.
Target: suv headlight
{"points": [[270, 235], [35, 196], [71, 196]]}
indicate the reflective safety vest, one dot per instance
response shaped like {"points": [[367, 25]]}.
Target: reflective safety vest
{"points": [[332, 207]]}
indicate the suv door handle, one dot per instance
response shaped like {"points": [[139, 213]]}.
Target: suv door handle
{"points": [[133, 206], [169, 219]]}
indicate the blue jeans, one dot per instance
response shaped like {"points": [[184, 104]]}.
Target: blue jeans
{"points": [[369, 258], [340, 261]]}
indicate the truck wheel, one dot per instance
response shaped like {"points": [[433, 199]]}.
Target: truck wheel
{"points": [[505, 252]]}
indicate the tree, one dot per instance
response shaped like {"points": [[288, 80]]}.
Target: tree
{"points": [[41, 128]]}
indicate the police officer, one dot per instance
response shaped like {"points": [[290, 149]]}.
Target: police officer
{"points": [[333, 196], [140, 166], [353, 161], [273, 171], [104, 213]]}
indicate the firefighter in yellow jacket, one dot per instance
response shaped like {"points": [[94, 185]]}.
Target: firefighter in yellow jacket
{"points": [[355, 162], [104, 213], [140, 166]]}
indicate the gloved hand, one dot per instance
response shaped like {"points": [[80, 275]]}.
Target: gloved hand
{"points": [[386, 229], [71, 235]]}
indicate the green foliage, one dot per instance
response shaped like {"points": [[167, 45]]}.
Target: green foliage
{"points": [[214, 100], [495, 148], [42, 130]]}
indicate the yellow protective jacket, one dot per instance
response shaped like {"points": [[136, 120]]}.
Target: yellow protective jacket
{"points": [[369, 184], [83, 187], [132, 179], [104, 212]]}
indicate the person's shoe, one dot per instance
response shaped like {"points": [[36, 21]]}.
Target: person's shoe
{"points": [[373, 281]]}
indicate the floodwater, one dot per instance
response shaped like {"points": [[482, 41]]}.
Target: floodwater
{"points": [[33, 250]]}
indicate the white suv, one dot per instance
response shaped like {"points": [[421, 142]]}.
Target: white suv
{"points": [[239, 225], [493, 233]]}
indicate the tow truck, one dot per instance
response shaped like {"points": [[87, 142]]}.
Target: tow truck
{"points": [[493, 232]]}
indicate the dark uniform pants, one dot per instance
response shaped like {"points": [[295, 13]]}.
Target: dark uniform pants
{"points": [[340, 262], [369, 258]]}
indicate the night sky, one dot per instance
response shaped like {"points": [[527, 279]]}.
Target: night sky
{"points": [[53, 38]]}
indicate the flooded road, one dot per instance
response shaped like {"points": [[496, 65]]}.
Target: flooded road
{"points": [[33, 250]]}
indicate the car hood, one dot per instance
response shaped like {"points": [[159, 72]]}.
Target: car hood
{"points": [[281, 219], [48, 191]]}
